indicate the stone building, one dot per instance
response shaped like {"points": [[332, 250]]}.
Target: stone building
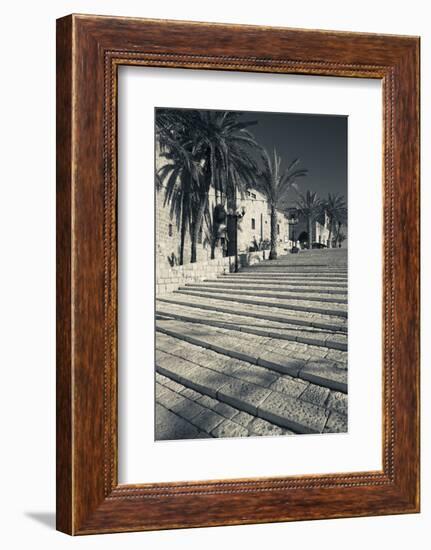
{"points": [[253, 228], [167, 231], [168, 238], [319, 228]]}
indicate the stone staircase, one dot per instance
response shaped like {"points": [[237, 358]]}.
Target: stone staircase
{"points": [[266, 346]]}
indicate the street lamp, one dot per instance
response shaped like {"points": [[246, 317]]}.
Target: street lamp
{"points": [[292, 220], [233, 215]]}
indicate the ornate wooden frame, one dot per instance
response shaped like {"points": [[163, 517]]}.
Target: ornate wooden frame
{"points": [[89, 51]]}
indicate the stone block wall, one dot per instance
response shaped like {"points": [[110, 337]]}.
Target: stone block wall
{"points": [[169, 278], [168, 238], [251, 258]]}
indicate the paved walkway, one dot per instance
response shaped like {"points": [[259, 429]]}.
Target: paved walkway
{"points": [[260, 352]]}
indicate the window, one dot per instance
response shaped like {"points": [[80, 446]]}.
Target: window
{"points": [[200, 235], [253, 195], [170, 230], [278, 229], [253, 223]]}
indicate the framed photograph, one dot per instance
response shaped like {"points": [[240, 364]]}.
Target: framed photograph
{"points": [[237, 274]]}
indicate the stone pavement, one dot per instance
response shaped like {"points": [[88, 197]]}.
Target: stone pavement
{"points": [[260, 352]]}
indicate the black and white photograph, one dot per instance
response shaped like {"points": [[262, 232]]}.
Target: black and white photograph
{"points": [[211, 275], [251, 263]]}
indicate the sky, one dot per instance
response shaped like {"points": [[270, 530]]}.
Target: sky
{"points": [[319, 141]]}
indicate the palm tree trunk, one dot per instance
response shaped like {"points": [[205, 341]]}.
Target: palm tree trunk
{"points": [[338, 233], [310, 229], [182, 238], [213, 246], [330, 234], [196, 226], [273, 251]]}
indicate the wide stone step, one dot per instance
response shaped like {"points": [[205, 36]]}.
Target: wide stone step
{"points": [[299, 268], [224, 279], [269, 293], [303, 319], [309, 288], [277, 408], [339, 310], [184, 413], [285, 276], [262, 327], [286, 280], [317, 256], [322, 371], [291, 266]]}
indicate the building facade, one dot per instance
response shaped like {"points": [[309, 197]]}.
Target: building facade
{"points": [[255, 225], [320, 230], [254, 228]]}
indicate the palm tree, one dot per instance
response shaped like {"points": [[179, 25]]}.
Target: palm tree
{"points": [[340, 221], [227, 153], [339, 233], [179, 174], [275, 183], [181, 171], [309, 205], [341, 238], [336, 210], [214, 228]]}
